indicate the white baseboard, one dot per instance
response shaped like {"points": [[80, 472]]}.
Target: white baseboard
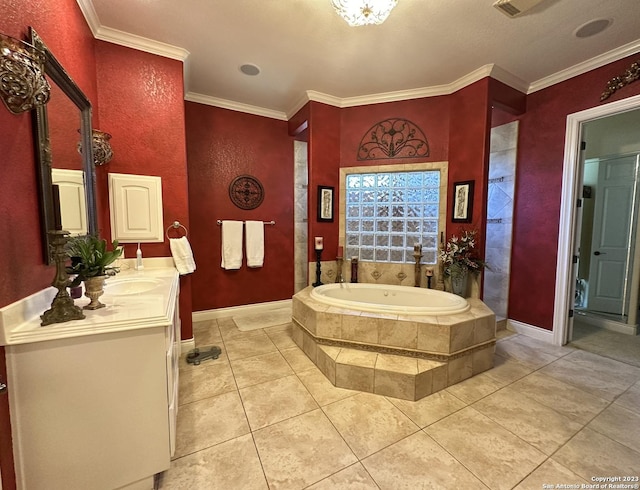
{"points": [[530, 331], [187, 345], [199, 316]]}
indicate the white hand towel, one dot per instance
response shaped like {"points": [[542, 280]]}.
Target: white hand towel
{"points": [[255, 243], [231, 245], [182, 255]]}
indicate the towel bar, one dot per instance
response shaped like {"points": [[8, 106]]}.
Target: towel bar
{"points": [[265, 222]]}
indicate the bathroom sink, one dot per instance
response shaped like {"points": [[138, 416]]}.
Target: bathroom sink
{"points": [[131, 285]]}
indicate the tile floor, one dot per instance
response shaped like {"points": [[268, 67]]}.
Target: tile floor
{"points": [[263, 416]]}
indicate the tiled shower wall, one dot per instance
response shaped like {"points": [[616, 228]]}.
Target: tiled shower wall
{"points": [[502, 171], [301, 185]]}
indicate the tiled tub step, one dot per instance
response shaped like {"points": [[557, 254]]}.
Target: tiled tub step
{"points": [[403, 377]]}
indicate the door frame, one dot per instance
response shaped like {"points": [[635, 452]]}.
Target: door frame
{"points": [[571, 178]]}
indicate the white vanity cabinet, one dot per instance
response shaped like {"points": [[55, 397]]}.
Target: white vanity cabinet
{"points": [[93, 402]]}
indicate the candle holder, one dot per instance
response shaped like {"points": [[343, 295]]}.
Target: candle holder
{"points": [[62, 308], [318, 269], [339, 261], [429, 275], [417, 256], [354, 269]]}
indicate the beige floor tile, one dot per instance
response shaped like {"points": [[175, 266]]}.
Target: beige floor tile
{"points": [[248, 344], [210, 378], [354, 477], [507, 370], [523, 353], [562, 397], [258, 369], [551, 473], [281, 336], [590, 453], [207, 422], [625, 348], [430, 409], [505, 334], [418, 462], [473, 389], [490, 452], [369, 422], [231, 465], [523, 416], [546, 347], [601, 376], [207, 333], [620, 424], [273, 401], [630, 399], [297, 359], [321, 388], [300, 451]]}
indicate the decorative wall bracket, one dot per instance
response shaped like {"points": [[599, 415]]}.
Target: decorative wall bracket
{"points": [[22, 82], [393, 138], [616, 83]]}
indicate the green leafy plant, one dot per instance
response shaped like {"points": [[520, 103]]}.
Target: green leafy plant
{"points": [[459, 255], [90, 258]]}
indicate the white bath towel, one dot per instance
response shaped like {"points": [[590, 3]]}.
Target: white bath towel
{"points": [[182, 255], [254, 240], [231, 245]]}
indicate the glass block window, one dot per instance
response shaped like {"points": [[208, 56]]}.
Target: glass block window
{"points": [[388, 213]]}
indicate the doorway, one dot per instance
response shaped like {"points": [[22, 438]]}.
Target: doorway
{"points": [[578, 127]]}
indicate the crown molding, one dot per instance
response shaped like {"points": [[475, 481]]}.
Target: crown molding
{"points": [[508, 78], [90, 15], [591, 64], [235, 106], [141, 43]]}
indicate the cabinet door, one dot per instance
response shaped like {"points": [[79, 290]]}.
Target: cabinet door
{"points": [[73, 207], [135, 206]]}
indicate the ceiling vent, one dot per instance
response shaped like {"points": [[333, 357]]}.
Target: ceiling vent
{"points": [[513, 8]]}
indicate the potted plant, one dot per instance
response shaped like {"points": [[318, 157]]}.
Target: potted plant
{"points": [[459, 258], [91, 263]]}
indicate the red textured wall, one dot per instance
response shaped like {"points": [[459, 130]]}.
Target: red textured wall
{"points": [[324, 169], [539, 186], [63, 28], [141, 106], [431, 115], [221, 145]]}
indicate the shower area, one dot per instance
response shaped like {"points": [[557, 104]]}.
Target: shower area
{"points": [[608, 268]]}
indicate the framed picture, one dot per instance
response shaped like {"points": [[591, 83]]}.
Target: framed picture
{"points": [[325, 203], [462, 201]]}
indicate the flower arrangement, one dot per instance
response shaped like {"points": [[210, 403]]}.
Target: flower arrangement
{"points": [[459, 256]]}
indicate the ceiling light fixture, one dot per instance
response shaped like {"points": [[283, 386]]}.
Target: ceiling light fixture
{"points": [[363, 12]]}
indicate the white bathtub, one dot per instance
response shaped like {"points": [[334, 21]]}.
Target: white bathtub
{"points": [[384, 298]]}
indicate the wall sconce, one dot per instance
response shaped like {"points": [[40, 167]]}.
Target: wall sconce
{"points": [[22, 82], [102, 151]]}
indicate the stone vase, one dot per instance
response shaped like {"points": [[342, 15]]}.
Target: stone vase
{"points": [[93, 289], [459, 282]]}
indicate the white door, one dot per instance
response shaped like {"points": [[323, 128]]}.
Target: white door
{"points": [[613, 234]]}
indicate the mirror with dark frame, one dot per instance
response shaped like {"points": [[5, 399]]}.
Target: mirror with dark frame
{"points": [[60, 127]]}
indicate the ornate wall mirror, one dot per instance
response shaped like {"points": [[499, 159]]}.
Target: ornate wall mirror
{"points": [[59, 126]]}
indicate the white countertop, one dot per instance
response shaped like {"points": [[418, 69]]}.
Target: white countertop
{"points": [[20, 321]]}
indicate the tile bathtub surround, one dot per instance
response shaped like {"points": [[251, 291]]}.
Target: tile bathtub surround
{"points": [[296, 430]]}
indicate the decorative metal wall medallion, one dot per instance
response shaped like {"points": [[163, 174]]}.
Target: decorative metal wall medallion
{"points": [[616, 83], [393, 138], [22, 82], [246, 192]]}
